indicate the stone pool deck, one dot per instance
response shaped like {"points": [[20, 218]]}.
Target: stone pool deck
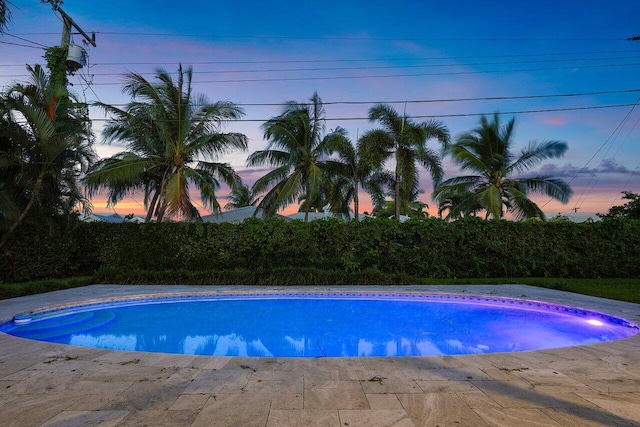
{"points": [[45, 384]]}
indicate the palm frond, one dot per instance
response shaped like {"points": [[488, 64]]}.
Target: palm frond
{"points": [[535, 152]]}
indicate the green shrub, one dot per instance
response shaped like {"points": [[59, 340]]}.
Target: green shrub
{"points": [[294, 276], [372, 251]]}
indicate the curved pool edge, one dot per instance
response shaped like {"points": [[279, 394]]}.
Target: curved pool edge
{"points": [[99, 293], [517, 302]]}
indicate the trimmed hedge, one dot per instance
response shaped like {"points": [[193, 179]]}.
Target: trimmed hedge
{"points": [[432, 248]]}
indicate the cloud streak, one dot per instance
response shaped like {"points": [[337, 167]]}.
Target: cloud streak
{"points": [[607, 166]]}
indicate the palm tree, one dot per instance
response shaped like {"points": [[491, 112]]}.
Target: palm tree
{"points": [[297, 149], [240, 197], [167, 130], [349, 170], [451, 202], [487, 151], [44, 148], [5, 15], [406, 141], [414, 209]]}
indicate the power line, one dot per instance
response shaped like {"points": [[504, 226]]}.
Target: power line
{"points": [[350, 60], [593, 180], [452, 115], [619, 126], [378, 67], [354, 38], [637, 166], [379, 76], [440, 100], [26, 40], [20, 44]]}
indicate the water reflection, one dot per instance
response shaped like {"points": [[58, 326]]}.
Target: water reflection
{"points": [[115, 342]]}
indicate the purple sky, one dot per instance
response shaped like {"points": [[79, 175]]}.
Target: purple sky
{"points": [[272, 52]]}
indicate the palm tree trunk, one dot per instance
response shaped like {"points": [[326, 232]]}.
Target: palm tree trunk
{"points": [[307, 203], [152, 206], [160, 212], [397, 195], [160, 203], [32, 200], [356, 201]]}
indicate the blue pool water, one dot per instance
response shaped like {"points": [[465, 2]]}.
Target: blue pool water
{"points": [[321, 325]]}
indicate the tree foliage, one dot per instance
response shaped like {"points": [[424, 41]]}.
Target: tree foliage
{"points": [[169, 132], [404, 141], [495, 188], [297, 152], [5, 15], [240, 197], [630, 210], [45, 144]]}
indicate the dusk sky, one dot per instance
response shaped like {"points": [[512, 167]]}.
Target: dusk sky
{"points": [[564, 69]]}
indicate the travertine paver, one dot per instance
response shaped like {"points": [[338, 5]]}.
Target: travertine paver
{"points": [[375, 418], [44, 384]]}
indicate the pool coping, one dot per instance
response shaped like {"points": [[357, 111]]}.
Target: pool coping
{"points": [[52, 384]]}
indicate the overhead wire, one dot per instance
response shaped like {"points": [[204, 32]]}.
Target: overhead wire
{"points": [[436, 100], [476, 114], [25, 40], [326, 60], [382, 76], [633, 173], [353, 38], [613, 133], [595, 177], [379, 67], [21, 45]]}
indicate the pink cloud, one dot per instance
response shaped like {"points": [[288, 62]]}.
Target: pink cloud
{"points": [[555, 120]]}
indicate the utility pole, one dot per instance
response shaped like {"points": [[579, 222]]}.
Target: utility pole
{"points": [[66, 57], [66, 29]]}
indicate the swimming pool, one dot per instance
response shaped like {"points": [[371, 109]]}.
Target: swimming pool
{"points": [[320, 324]]}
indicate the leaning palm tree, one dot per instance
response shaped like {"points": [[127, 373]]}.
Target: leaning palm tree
{"points": [[43, 149], [494, 189], [297, 150], [168, 131], [406, 142]]}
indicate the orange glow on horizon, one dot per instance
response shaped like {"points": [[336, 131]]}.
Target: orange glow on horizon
{"points": [[596, 203]]}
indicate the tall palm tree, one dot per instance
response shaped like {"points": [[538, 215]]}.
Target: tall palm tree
{"points": [[488, 151], [405, 141], [240, 197], [168, 131], [44, 147], [297, 150]]}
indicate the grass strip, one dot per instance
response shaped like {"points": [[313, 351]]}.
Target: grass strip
{"points": [[617, 289], [13, 290]]}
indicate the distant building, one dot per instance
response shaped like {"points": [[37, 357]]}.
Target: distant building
{"points": [[325, 215], [313, 215], [236, 216], [113, 218], [575, 216]]}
